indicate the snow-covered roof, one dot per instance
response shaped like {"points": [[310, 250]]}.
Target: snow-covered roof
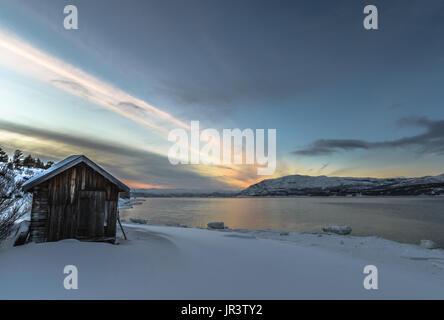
{"points": [[67, 164]]}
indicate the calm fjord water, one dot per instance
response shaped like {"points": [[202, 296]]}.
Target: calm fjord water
{"points": [[403, 219]]}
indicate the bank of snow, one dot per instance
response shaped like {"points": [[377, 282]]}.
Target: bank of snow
{"points": [[160, 262]]}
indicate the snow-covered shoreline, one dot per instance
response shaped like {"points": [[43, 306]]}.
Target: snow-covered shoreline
{"points": [[164, 262]]}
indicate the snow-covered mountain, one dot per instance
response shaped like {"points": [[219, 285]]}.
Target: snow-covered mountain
{"points": [[323, 185]]}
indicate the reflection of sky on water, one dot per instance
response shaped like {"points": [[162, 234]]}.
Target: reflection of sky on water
{"points": [[400, 219]]}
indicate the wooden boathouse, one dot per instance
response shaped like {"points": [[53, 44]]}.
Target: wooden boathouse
{"points": [[75, 198]]}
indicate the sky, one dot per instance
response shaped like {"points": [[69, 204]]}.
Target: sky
{"points": [[345, 101]]}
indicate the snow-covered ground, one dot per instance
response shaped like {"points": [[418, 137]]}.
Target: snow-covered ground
{"points": [[160, 262]]}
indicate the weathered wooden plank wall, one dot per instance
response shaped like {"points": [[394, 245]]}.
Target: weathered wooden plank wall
{"points": [[60, 204], [39, 214]]}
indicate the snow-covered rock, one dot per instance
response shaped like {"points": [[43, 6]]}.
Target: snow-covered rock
{"points": [[138, 220], [216, 225], [338, 229], [428, 244]]}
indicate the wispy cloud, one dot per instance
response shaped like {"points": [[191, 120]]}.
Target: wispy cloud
{"points": [[323, 167], [31, 61], [26, 59]]}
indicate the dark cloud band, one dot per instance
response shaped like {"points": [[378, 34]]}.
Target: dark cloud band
{"points": [[144, 166], [432, 141]]}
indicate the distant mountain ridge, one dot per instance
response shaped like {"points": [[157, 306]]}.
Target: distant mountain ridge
{"points": [[175, 193], [343, 186], [300, 185]]}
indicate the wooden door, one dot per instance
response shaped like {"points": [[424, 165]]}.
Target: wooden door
{"points": [[90, 223]]}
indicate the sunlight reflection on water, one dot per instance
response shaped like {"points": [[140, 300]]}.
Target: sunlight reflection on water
{"points": [[404, 219]]}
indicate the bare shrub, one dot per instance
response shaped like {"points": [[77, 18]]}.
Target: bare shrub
{"points": [[12, 204]]}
